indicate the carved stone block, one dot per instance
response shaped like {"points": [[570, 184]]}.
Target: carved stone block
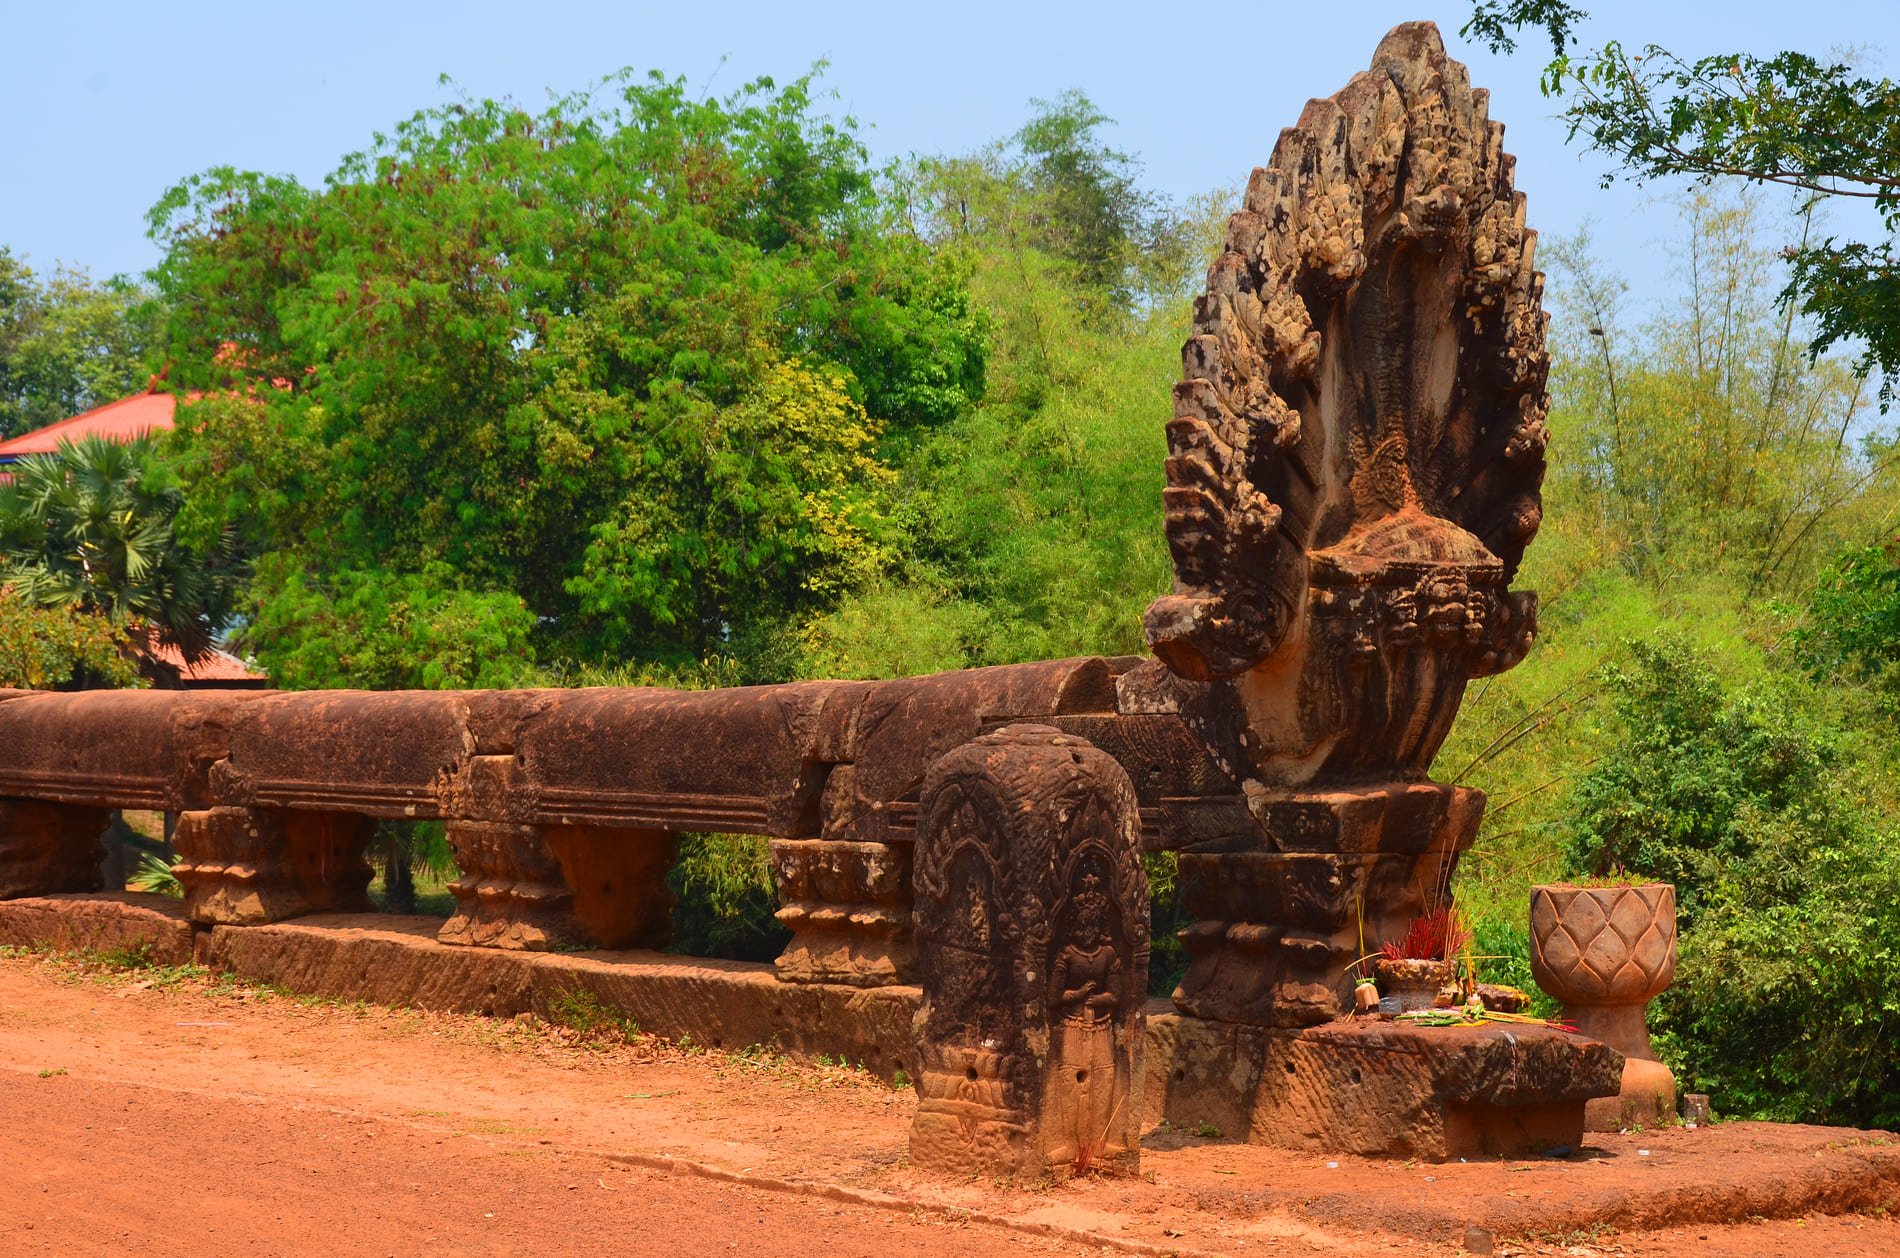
{"points": [[1276, 930], [1032, 933], [511, 893], [848, 906], [247, 866], [49, 848], [545, 887], [618, 877]]}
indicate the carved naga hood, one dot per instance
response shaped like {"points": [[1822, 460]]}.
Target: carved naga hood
{"points": [[1358, 440]]}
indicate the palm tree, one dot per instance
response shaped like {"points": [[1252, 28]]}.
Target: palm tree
{"points": [[92, 527]]}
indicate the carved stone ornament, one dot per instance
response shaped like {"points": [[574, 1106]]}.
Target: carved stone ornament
{"points": [[1358, 440], [1606, 952], [1032, 929]]}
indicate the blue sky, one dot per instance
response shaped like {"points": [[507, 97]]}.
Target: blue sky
{"points": [[104, 105]]}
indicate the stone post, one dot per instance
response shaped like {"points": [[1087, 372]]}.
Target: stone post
{"points": [[538, 888], [846, 899], [1032, 944], [1279, 925], [249, 866], [49, 848]]}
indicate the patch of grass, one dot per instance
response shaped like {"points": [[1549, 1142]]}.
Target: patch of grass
{"points": [[138, 956], [1207, 1130], [49, 1074]]}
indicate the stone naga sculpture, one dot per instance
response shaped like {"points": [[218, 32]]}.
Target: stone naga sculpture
{"points": [[1353, 476]]}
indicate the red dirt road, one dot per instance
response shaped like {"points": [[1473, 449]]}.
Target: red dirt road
{"points": [[201, 1117]]}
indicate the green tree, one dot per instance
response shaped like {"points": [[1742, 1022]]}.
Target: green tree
{"points": [[1852, 629], [1741, 797], [1789, 119], [67, 344], [1712, 436], [60, 648], [91, 529], [627, 367]]}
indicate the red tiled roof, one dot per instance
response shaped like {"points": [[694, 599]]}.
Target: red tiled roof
{"points": [[121, 420], [217, 668]]}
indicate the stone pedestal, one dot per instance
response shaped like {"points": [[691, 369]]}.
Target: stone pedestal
{"points": [[1379, 1088], [1606, 952], [1279, 925], [540, 888], [247, 866], [848, 906], [49, 848], [1032, 941], [511, 893]]}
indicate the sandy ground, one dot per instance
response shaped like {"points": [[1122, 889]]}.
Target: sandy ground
{"points": [[145, 1113]]}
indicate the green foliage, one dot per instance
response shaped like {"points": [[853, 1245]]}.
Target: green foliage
{"points": [[1697, 771], [582, 1012], [727, 898], [1788, 119], [91, 529], [155, 875], [1853, 623], [67, 344], [1031, 524], [381, 630], [60, 648], [1789, 975], [1492, 22], [1770, 476], [624, 365]]}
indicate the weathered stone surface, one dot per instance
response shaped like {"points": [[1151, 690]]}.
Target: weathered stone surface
{"points": [[1033, 952], [253, 865], [511, 892], [49, 848], [1379, 1088], [115, 748], [1278, 926], [848, 906], [719, 1004], [1606, 952], [618, 877], [123, 921], [1359, 431]]}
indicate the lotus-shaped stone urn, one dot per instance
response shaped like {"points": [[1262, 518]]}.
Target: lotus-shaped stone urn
{"points": [[1606, 952]]}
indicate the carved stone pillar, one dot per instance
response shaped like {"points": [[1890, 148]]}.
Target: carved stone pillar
{"points": [[248, 866], [1032, 934], [512, 893], [539, 888], [1277, 926], [848, 906], [49, 848], [846, 900]]}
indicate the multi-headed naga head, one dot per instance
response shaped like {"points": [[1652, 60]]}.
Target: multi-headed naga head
{"points": [[1358, 436]]}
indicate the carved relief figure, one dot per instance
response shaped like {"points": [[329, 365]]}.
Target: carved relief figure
{"points": [[1087, 986]]}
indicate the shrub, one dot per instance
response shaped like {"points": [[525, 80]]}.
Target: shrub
{"points": [[1788, 984]]}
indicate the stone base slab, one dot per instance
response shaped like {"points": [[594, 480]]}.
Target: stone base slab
{"points": [[120, 921], [1353, 1086], [1379, 1088], [397, 961]]}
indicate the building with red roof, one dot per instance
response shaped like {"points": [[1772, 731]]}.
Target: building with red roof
{"points": [[123, 420]]}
